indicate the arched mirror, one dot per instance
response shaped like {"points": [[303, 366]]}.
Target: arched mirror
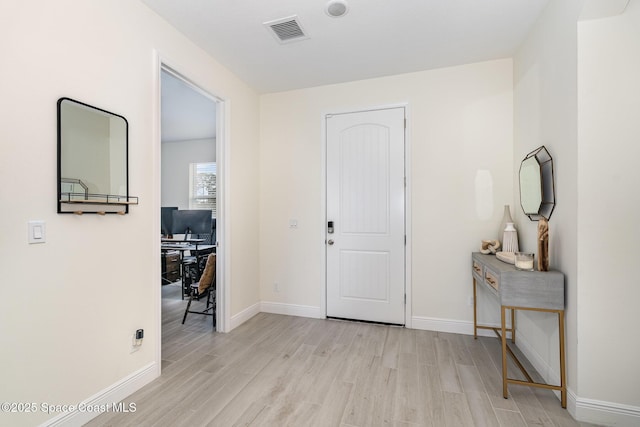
{"points": [[537, 193], [92, 160]]}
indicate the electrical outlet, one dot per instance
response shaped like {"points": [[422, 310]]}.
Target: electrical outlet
{"points": [[470, 301], [276, 287], [134, 342]]}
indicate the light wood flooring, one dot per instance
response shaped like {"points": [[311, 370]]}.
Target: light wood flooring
{"points": [[279, 370]]}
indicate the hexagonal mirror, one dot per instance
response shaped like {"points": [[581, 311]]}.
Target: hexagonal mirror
{"points": [[537, 193]]}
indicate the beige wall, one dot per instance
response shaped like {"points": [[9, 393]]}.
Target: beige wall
{"points": [[609, 202], [545, 113], [576, 92], [69, 307], [176, 158], [460, 121]]}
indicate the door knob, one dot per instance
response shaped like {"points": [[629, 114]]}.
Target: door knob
{"points": [[330, 242]]}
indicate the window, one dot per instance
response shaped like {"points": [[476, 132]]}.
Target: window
{"points": [[202, 186]]}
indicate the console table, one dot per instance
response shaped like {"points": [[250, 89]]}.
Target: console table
{"points": [[520, 290]]}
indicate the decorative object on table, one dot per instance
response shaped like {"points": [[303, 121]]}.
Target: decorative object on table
{"points": [[543, 245], [510, 238], [524, 261], [506, 218], [508, 257], [489, 246]]}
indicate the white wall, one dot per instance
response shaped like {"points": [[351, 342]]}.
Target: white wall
{"points": [[69, 307], [176, 158], [609, 202], [545, 113], [460, 121]]}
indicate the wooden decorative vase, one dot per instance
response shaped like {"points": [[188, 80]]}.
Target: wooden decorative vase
{"points": [[543, 245]]}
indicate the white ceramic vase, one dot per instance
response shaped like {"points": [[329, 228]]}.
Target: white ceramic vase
{"points": [[510, 238], [506, 218]]}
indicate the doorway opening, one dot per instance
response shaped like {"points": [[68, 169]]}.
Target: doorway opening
{"points": [[192, 167]]}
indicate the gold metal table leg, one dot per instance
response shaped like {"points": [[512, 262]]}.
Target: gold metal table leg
{"points": [[563, 385], [475, 311], [504, 351], [513, 325]]}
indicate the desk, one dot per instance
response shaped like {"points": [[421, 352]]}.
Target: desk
{"points": [[180, 241], [520, 290]]}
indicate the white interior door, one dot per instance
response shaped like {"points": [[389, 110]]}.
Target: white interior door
{"points": [[365, 207]]}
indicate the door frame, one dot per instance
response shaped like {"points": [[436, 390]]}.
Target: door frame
{"points": [[162, 63], [408, 314]]}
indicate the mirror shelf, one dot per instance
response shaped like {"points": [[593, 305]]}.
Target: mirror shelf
{"points": [[98, 199], [101, 204]]}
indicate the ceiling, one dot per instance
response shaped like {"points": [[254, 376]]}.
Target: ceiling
{"points": [[374, 38], [186, 113]]}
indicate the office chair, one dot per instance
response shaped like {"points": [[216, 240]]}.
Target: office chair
{"points": [[205, 286]]}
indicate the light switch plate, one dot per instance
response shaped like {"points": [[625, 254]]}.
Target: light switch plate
{"points": [[37, 232]]}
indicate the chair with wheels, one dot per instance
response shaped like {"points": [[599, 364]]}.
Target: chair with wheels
{"points": [[205, 287]]}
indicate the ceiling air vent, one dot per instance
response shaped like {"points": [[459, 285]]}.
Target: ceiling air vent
{"points": [[287, 30]]}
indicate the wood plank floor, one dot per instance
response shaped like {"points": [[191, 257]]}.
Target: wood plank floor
{"points": [[279, 370]]}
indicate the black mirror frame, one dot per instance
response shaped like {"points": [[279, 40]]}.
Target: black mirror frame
{"points": [[97, 203], [547, 205]]}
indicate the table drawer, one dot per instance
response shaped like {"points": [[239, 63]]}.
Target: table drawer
{"points": [[492, 279], [477, 268]]}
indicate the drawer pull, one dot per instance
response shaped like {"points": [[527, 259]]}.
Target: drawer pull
{"points": [[477, 269]]}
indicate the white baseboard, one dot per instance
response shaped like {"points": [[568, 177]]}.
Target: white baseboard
{"points": [[244, 315], [291, 309], [464, 327], [606, 413], [550, 375], [107, 398]]}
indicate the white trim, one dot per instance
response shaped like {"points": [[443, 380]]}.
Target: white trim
{"points": [[408, 253], [322, 232], [464, 327], [223, 227], [292, 309], [603, 413], [536, 360], [243, 316], [222, 161], [110, 395], [155, 201]]}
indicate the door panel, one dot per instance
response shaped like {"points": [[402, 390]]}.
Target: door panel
{"points": [[365, 201]]}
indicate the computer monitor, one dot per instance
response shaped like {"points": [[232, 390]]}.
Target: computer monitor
{"points": [[166, 220], [192, 221]]}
